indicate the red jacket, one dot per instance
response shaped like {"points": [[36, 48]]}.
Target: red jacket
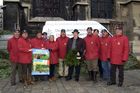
{"points": [[92, 47], [38, 43], [13, 49], [25, 56], [62, 45], [53, 47], [119, 49], [104, 48]]}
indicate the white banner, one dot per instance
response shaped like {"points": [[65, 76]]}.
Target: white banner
{"points": [[54, 27]]}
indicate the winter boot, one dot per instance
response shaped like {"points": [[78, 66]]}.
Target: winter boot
{"points": [[120, 84], [89, 76], [30, 81], [25, 80], [92, 75], [95, 76]]}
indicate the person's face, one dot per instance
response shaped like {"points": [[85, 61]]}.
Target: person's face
{"points": [[16, 34], [104, 34], [89, 32], [63, 34], [51, 38], [96, 32], [25, 35], [39, 35], [118, 31], [44, 36], [75, 34]]}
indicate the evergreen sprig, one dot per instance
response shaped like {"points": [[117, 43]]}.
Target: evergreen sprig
{"points": [[71, 58]]}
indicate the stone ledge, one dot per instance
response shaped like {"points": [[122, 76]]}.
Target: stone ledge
{"points": [[12, 0], [128, 1], [5, 37], [44, 19], [102, 20]]}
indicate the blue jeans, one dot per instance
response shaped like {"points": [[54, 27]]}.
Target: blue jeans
{"points": [[106, 70]]}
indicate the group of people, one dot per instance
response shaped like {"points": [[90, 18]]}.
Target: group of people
{"points": [[112, 52]]}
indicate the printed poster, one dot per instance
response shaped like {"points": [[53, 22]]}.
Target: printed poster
{"points": [[41, 62]]}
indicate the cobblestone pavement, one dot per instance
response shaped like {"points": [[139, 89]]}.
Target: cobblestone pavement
{"points": [[131, 85]]}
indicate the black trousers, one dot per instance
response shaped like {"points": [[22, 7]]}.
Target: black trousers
{"points": [[120, 74], [77, 71], [52, 70], [100, 68]]}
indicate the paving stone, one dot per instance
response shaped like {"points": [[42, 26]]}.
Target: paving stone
{"points": [[131, 85]]}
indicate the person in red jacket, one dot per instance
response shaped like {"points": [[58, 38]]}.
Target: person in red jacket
{"points": [[13, 52], [92, 53], [105, 54], [62, 45], [96, 33], [38, 43], [53, 48], [45, 36], [25, 57], [118, 55]]}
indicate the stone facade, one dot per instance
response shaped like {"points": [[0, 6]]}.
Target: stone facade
{"points": [[128, 12], [24, 14], [1, 19]]}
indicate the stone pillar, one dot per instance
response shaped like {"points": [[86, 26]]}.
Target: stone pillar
{"points": [[1, 19], [80, 10], [136, 42]]}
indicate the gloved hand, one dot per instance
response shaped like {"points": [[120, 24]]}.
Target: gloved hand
{"points": [[123, 61], [108, 59], [50, 49], [30, 50]]}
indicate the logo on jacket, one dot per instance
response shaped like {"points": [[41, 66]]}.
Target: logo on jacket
{"points": [[106, 44], [119, 43], [65, 44]]}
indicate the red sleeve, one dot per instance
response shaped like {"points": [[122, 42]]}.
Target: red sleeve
{"points": [[46, 45], [109, 47], [126, 49], [57, 39], [32, 43], [20, 46], [98, 44], [110, 50], [9, 46], [55, 47], [100, 47]]}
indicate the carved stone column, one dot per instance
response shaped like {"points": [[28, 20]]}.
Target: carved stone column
{"points": [[80, 9]]}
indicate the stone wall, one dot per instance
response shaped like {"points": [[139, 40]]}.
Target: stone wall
{"points": [[3, 41], [11, 16], [130, 15], [125, 11]]}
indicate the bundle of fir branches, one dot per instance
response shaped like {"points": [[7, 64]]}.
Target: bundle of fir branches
{"points": [[71, 58]]}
